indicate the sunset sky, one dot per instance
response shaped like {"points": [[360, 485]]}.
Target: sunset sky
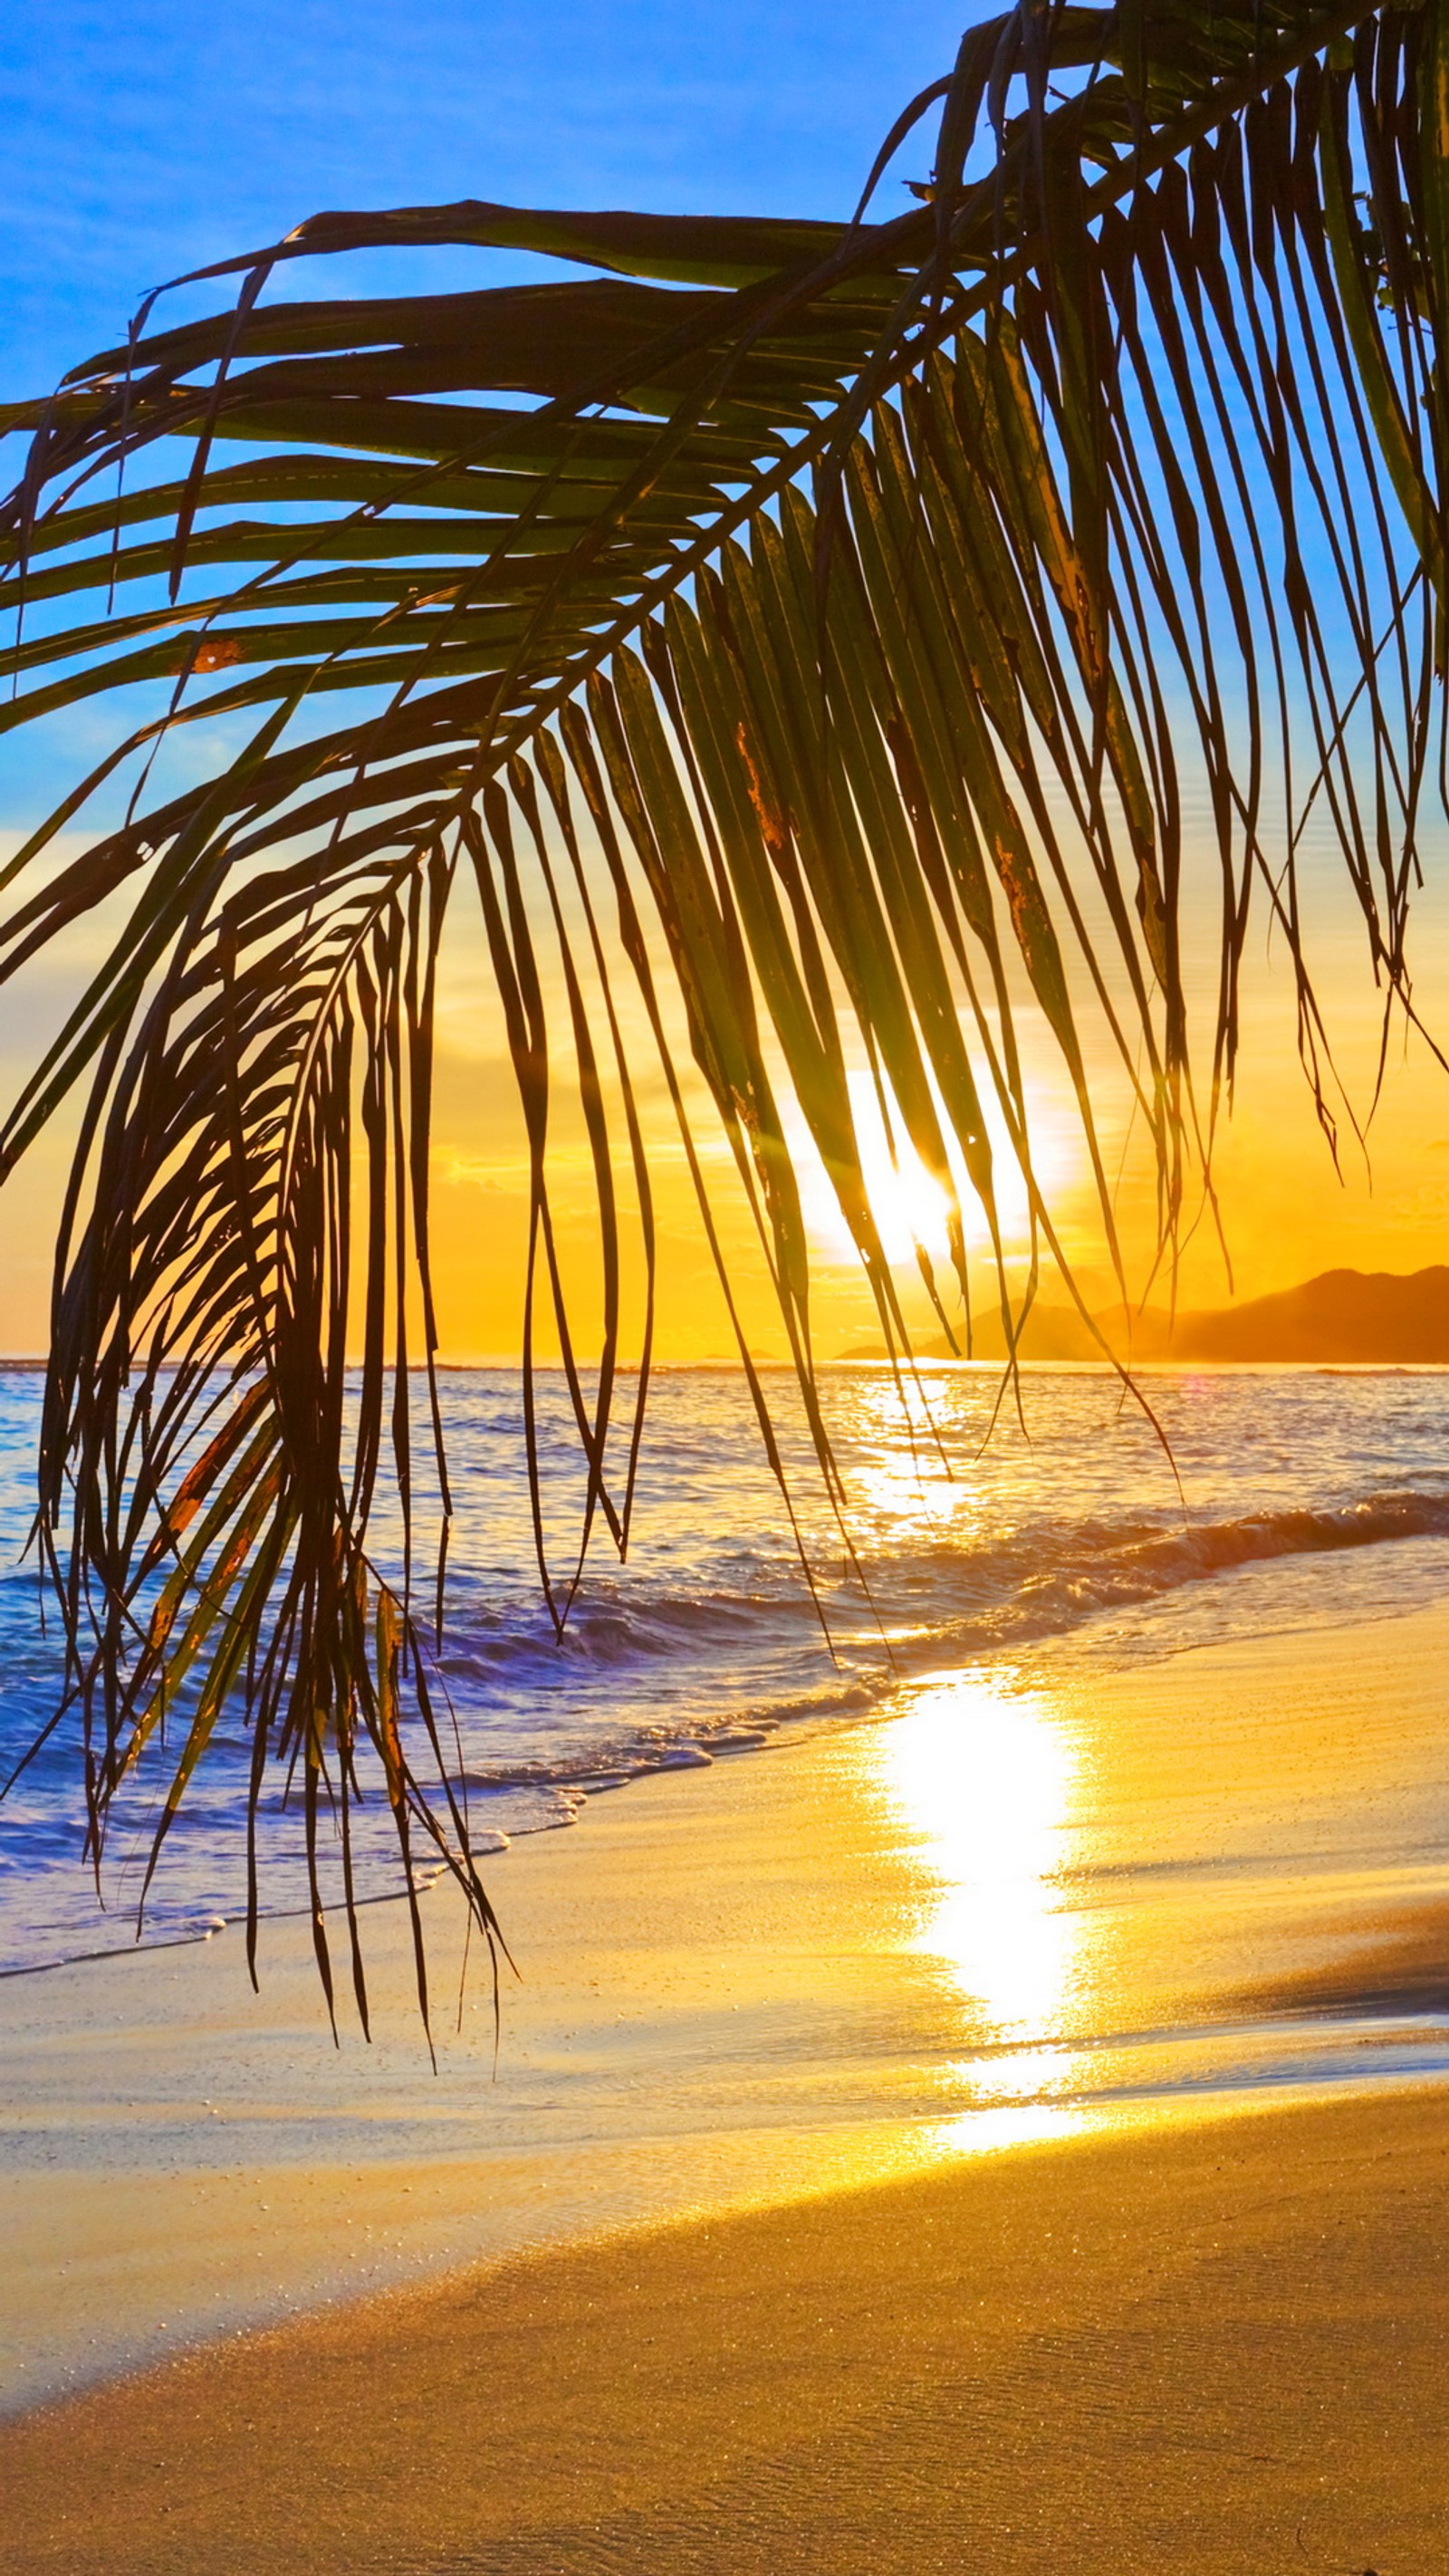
{"points": [[174, 142], [1286, 1215]]}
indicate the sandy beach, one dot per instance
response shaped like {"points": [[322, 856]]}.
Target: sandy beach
{"points": [[781, 2235], [1213, 2349]]}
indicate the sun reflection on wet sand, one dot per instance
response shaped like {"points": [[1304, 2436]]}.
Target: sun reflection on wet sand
{"points": [[982, 1779]]}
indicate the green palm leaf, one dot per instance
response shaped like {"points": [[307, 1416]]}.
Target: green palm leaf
{"points": [[824, 619]]}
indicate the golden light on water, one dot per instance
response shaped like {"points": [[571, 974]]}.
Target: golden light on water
{"points": [[914, 1496], [981, 1780]]}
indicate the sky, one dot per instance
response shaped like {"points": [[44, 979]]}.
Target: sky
{"points": [[152, 137], [148, 138]]}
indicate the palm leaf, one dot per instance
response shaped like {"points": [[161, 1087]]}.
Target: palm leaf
{"points": [[827, 620]]}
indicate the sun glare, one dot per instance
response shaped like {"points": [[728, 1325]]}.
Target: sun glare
{"points": [[982, 1782], [910, 1206]]}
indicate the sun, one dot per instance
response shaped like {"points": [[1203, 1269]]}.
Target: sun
{"points": [[910, 1206]]}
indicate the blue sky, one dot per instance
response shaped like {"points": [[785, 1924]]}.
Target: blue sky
{"points": [[149, 136]]}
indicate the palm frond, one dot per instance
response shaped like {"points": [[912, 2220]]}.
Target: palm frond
{"points": [[831, 620]]}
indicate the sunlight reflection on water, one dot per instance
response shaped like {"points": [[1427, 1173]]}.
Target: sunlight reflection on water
{"points": [[1178, 1886], [983, 1782]]}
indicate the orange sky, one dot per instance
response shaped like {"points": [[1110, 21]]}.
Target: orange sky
{"points": [[1286, 1214], [1286, 1217]]}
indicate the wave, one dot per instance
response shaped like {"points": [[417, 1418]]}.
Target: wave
{"points": [[1037, 1577], [1137, 1564], [1370, 1521], [666, 1667]]}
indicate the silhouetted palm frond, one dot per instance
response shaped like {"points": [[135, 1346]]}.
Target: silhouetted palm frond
{"points": [[821, 618]]}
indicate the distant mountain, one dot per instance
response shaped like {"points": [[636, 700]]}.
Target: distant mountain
{"points": [[1344, 1315], [1370, 1318]]}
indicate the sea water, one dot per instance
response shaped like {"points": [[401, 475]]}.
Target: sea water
{"points": [[1086, 1525]]}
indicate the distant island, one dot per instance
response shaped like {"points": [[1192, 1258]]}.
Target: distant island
{"points": [[1350, 1318]]}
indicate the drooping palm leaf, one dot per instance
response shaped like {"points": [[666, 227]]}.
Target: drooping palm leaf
{"points": [[832, 620]]}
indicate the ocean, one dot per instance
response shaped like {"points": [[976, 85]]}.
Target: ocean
{"points": [[1001, 1558]]}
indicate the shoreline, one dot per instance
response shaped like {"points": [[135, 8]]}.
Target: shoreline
{"points": [[859, 1696]]}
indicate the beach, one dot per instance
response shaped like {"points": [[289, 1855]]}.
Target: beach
{"points": [[724, 1466], [773, 2239], [1215, 2348]]}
